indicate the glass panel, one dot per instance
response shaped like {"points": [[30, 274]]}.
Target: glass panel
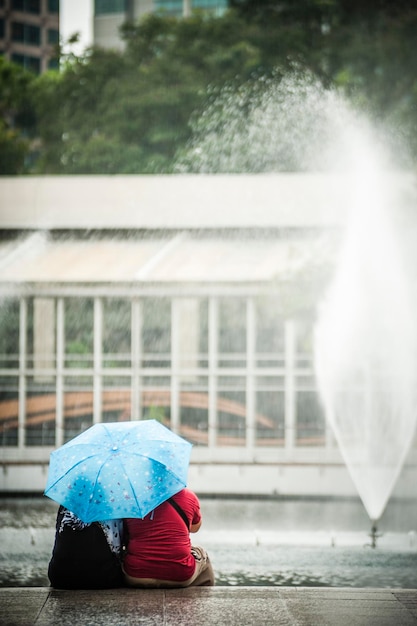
{"points": [[270, 339], [116, 399], [53, 6], [53, 36], [216, 7], [9, 410], [9, 334], [33, 64], [26, 33], [40, 412], [305, 382], [270, 411], [176, 7], [171, 7], [232, 332], [78, 405], [155, 399], [304, 343], [33, 6], [18, 31], [79, 334], [231, 411], [32, 35], [116, 333], [156, 332], [194, 410], [103, 7], [310, 428], [53, 64]]}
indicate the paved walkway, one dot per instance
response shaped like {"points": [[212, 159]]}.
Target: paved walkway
{"points": [[214, 606]]}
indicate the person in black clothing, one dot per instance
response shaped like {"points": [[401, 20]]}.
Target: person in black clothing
{"points": [[86, 556]]}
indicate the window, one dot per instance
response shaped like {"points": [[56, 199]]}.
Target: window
{"points": [[194, 401], [79, 341], [18, 31], [32, 64], [231, 411], [9, 410], [103, 7], [116, 333], [232, 332], [270, 351], [156, 332], [270, 411], [9, 334], [53, 36], [215, 7], [171, 7], [33, 6], [78, 405], [28, 6], [53, 64], [2, 29], [9, 363], [311, 425], [26, 33], [40, 411], [155, 398], [53, 6], [176, 7], [116, 399], [33, 35]]}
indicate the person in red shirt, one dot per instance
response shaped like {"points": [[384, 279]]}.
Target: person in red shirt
{"points": [[158, 547]]}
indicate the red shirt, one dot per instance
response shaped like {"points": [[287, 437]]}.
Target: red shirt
{"points": [[159, 545]]}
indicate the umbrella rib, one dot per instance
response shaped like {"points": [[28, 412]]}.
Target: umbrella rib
{"points": [[146, 483], [62, 476], [94, 487], [130, 484]]}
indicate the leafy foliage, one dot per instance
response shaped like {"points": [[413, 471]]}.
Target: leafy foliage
{"points": [[132, 112], [17, 120]]}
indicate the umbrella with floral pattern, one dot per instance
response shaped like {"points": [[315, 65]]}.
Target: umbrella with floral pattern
{"points": [[118, 469]]}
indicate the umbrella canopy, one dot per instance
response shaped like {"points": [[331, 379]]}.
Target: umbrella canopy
{"points": [[118, 469]]}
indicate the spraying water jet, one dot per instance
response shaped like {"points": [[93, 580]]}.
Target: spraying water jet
{"points": [[365, 344], [365, 339]]}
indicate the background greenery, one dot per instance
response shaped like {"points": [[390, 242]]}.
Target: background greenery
{"points": [[131, 112]]}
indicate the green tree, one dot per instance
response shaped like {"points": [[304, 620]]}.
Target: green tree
{"points": [[132, 111], [128, 112], [17, 119]]}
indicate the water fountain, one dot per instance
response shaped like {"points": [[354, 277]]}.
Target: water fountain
{"points": [[365, 342]]}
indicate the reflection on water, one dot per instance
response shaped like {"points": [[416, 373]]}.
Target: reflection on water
{"points": [[251, 542]]}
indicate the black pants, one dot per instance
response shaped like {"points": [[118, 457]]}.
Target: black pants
{"points": [[82, 559]]}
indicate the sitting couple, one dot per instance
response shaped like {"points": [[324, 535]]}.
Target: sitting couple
{"points": [[158, 550]]}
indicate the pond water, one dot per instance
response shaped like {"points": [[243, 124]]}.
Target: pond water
{"points": [[250, 542]]}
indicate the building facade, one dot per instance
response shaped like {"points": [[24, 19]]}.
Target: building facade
{"points": [[29, 33], [188, 299], [109, 15]]}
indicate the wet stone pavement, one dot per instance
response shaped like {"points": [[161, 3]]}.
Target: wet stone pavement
{"points": [[228, 606]]}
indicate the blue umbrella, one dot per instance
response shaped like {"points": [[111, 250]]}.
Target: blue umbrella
{"points": [[118, 469]]}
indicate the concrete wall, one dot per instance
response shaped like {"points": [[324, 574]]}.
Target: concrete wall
{"points": [[301, 480]]}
